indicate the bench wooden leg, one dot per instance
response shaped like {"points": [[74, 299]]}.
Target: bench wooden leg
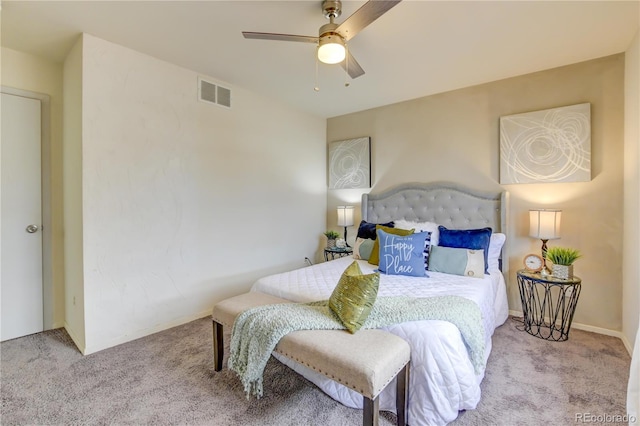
{"points": [[218, 346], [402, 382], [371, 412]]}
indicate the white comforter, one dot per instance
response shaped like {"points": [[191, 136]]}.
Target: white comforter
{"points": [[442, 378]]}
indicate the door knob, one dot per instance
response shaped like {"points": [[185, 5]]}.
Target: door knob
{"points": [[32, 228]]}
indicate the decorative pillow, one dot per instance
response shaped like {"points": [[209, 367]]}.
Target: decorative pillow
{"points": [[475, 239], [368, 230], [495, 250], [362, 248], [419, 227], [375, 252], [426, 251], [354, 296], [457, 261], [402, 255]]}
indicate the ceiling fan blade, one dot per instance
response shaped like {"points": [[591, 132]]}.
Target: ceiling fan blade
{"points": [[351, 66], [369, 12], [280, 37]]}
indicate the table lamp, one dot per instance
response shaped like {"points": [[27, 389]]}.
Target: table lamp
{"points": [[544, 225], [345, 218]]}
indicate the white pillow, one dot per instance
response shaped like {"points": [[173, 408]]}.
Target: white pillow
{"points": [[495, 249], [420, 227]]}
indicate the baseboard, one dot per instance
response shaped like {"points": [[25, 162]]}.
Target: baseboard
{"points": [[145, 332], [593, 329], [626, 343]]}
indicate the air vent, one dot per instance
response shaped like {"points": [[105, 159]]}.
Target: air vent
{"points": [[214, 93], [224, 96]]}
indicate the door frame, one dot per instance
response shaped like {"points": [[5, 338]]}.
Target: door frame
{"points": [[47, 223]]}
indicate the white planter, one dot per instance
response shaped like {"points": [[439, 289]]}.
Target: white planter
{"points": [[563, 272]]}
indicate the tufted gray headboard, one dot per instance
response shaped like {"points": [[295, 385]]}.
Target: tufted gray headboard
{"points": [[446, 203]]}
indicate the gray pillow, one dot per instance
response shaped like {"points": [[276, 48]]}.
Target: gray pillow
{"points": [[457, 261], [362, 249]]}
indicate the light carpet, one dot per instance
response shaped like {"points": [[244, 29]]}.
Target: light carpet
{"points": [[168, 378]]}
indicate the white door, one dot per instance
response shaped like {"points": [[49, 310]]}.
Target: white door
{"points": [[21, 237]]}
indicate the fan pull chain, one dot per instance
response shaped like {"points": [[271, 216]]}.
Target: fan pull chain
{"points": [[317, 86]]}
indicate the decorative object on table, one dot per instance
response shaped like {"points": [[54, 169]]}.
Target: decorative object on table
{"points": [[533, 263], [552, 145], [350, 164], [562, 259], [331, 238], [341, 243], [548, 304], [544, 225], [345, 218]]}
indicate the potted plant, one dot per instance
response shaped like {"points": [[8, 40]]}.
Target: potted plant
{"points": [[562, 259], [331, 238]]}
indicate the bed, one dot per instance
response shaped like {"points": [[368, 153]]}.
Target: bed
{"points": [[443, 380]]}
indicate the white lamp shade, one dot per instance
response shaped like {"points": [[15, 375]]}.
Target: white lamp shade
{"points": [[331, 50], [544, 224], [345, 215]]}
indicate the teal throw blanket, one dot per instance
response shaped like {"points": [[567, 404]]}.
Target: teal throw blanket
{"points": [[257, 331]]}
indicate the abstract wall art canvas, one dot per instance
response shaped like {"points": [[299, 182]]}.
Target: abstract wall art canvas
{"points": [[552, 145], [350, 163]]}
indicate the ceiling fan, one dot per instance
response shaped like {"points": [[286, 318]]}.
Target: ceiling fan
{"points": [[332, 38]]}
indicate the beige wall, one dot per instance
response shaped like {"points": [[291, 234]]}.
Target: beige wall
{"points": [[28, 72], [454, 136], [185, 203], [631, 266], [73, 208]]}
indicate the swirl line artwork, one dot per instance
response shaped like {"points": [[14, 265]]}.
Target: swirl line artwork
{"points": [[552, 145], [350, 164]]}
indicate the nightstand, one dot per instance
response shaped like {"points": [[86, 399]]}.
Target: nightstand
{"points": [[548, 304], [331, 253]]}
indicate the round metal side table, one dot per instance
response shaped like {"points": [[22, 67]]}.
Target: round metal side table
{"points": [[548, 304], [336, 252]]}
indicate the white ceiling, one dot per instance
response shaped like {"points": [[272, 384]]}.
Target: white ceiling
{"points": [[416, 49]]}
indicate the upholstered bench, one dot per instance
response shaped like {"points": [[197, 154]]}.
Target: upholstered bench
{"points": [[366, 361]]}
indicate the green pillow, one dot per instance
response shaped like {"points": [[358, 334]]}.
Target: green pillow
{"points": [[457, 261], [374, 259], [354, 296]]}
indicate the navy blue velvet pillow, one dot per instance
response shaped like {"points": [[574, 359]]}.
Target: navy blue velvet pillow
{"points": [[476, 239], [368, 230]]}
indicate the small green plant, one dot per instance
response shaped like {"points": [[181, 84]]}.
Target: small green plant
{"points": [[331, 235], [563, 255]]}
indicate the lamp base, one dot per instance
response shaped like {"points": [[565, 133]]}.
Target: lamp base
{"points": [[545, 271], [345, 237]]}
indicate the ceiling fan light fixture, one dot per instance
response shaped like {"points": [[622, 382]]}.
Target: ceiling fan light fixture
{"points": [[331, 49]]}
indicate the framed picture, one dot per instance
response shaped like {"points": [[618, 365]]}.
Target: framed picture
{"points": [[350, 163], [552, 145]]}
